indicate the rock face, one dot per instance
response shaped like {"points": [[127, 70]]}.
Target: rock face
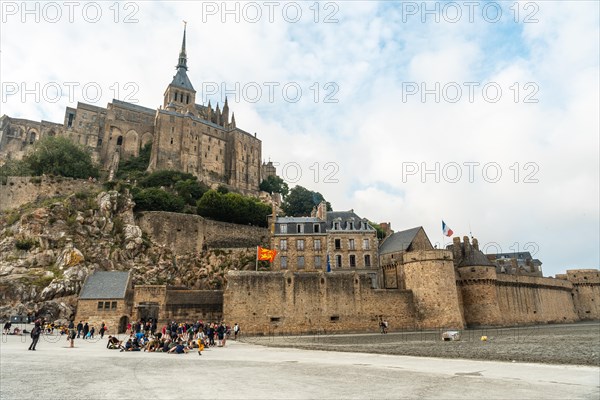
{"points": [[47, 250]]}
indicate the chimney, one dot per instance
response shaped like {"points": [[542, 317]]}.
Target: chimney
{"points": [[467, 246], [475, 244], [322, 211]]}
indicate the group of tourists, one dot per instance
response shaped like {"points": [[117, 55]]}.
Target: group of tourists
{"points": [[174, 338]]}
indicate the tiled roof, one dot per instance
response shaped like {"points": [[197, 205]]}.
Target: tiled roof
{"points": [[105, 285]]}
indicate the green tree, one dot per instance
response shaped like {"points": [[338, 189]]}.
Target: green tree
{"points": [[154, 199], [59, 156], [300, 202], [165, 178], [274, 184], [14, 168], [233, 207], [379, 229], [134, 168], [190, 190]]}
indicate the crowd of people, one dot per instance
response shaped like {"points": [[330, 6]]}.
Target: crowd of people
{"points": [[174, 338]]}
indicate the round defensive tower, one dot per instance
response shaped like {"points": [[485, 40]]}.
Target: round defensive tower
{"points": [[477, 283], [429, 274]]}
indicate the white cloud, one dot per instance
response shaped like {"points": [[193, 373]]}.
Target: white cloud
{"points": [[367, 135]]}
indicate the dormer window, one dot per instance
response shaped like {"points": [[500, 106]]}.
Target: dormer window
{"points": [[336, 225], [300, 228]]}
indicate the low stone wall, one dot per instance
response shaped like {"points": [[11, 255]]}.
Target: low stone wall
{"points": [[20, 190], [307, 302], [185, 233]]}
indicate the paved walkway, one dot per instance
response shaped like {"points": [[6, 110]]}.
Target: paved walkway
{"points": [[246, 371]]}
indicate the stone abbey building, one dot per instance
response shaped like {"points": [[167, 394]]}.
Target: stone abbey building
{"points": [[185, 136]]}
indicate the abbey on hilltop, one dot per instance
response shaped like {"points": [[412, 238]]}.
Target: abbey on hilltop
{"points": [[185, 136]]}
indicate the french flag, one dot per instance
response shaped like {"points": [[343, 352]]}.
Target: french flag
{"points": [[447, 231]]}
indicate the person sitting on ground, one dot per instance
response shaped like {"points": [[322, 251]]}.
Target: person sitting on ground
{"points": [[113, 343], [179, 348]]}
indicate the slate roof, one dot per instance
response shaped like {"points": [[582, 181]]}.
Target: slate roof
{"points": [[398, 241], [181, 80], [345, 217], [105, 285], [298, 220], [521, 255], [133, 107], [475, 258]]}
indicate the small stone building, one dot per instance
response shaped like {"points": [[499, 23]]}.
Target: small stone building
{"points": [[106, 297], [391, 252], [109, 297]]}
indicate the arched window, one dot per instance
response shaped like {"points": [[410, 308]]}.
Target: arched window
{"points": [[31, 137], [119, 140]]}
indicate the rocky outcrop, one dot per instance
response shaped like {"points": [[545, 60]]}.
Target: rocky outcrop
{"points": [[48, 249]]}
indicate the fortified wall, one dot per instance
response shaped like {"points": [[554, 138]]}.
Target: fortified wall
{"points": [[19, 190], [303, 302], [192, 233], [492, 299], [586, 292]]}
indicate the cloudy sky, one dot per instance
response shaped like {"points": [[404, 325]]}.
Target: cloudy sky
{"points": [[482, 114]]}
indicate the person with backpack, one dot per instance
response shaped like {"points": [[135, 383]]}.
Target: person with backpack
{"points": [[35, 335]]}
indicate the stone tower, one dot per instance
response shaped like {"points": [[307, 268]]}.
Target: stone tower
{"points": [[430, 275], [477, 283], [180, 95]]}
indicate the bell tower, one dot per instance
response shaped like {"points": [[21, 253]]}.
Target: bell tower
{"points": [[180, 95]]}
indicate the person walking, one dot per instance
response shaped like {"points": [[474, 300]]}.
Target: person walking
{"points": [[35, 335], [86, 329], [79, 329], [236, 331]]}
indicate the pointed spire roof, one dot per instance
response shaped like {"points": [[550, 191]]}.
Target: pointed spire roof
{"points": [[181, 79]]}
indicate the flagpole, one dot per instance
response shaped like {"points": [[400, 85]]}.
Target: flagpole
{"points": [[256, 269]]}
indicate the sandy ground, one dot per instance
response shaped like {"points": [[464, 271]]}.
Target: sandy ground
{"points": [[250, 371], [577, 344]]}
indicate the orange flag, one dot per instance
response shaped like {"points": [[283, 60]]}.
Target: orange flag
{"points": [[265, 254]]}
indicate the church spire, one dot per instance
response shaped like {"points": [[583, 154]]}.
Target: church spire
{"points": [[182, 54]]}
